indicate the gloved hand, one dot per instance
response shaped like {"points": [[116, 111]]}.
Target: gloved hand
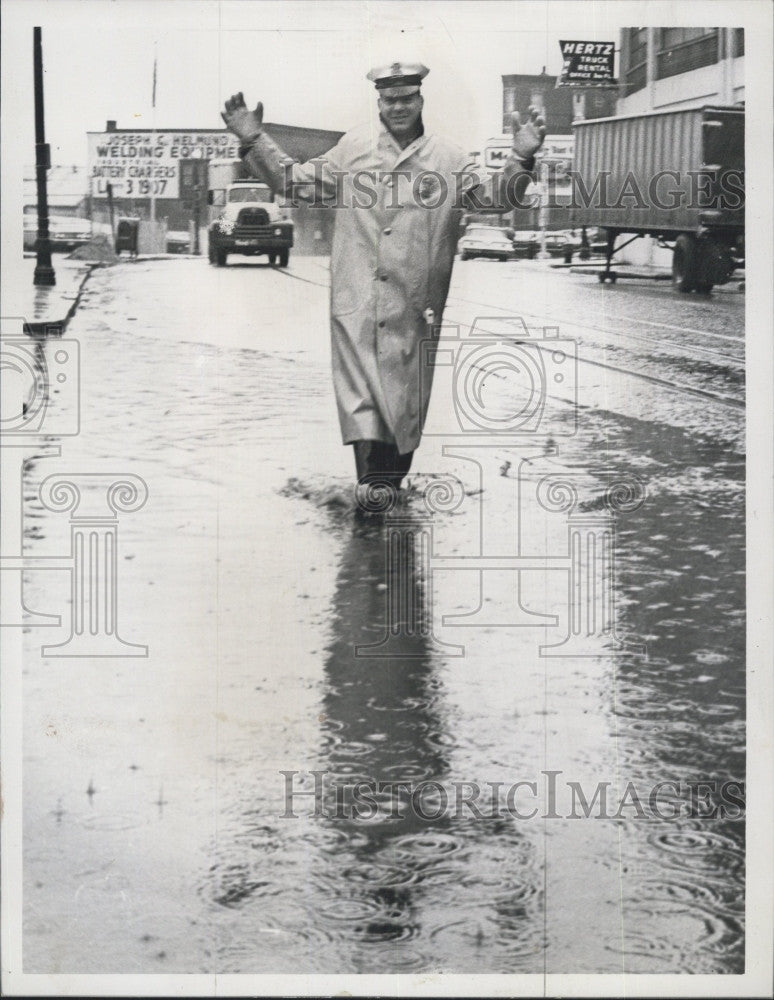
{"points": [[247, 125], [527, 137]]}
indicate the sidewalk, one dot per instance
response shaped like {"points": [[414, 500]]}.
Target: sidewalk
{"points": [[647, 272], [624, 269], [45, 306]]}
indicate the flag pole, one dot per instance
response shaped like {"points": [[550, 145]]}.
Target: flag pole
{"points": [[153, 138]]}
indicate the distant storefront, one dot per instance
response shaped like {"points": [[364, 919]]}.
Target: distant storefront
{"points": [[134, 167], [164, 172], [560, 107], [552, 171], [67, 191]]}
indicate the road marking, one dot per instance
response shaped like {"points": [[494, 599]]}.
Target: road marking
{"points": [[622, 333], [684, 329], [654, 379]]}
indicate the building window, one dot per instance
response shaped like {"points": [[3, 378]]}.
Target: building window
{"points": [[682, 49], [635, 75], [509, 105], [738, 42]]}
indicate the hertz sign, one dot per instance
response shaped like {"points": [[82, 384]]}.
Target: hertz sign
{"points": [[587, 64]]}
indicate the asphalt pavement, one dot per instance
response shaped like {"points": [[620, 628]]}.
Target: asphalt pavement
{"points": [[155, 789]]}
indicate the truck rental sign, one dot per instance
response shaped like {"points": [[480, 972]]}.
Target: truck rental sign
{"points": [[587, 64], [145, 164]]}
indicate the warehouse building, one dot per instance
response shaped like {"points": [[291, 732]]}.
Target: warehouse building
{"points": [[665, 68], [662, 69]]}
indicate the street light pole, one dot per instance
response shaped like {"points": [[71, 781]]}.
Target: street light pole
{"points": [[198, 172], [44, 272], [543, 254], [112, 213], [197, 216]]}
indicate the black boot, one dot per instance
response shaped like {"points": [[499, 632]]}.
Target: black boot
{"points": [[382, 461]]}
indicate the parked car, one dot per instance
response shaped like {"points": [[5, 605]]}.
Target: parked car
{"points": [[597, 239], [526, 244], [178, 241], [561, 244], [557, 244], [486, 241], [66, 232]]}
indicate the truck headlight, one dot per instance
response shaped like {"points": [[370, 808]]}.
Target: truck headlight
{"points": [[278, 232]]}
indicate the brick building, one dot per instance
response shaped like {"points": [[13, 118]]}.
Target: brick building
{"points": [[560, 105]]}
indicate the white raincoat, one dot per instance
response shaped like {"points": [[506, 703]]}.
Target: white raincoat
{"points": [[393, 248]]}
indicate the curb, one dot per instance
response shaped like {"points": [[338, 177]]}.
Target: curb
{"points": [[557, 264], [142, 257], [56, 327]]}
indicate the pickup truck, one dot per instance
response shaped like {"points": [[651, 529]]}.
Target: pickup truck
{"points": [[250, 223]]}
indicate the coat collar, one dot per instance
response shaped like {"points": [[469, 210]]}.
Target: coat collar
{"points": [[389, 141]]}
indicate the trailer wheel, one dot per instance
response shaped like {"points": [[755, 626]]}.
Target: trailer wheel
{"points": [[685, 263], [716, 265], [705, 265], [284, 257]]}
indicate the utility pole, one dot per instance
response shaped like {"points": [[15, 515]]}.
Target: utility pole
{"points": [[197, 215], [112, 213], [542, 169], [44, 272]]}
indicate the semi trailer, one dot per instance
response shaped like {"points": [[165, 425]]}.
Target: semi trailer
{"points": [[675, 175]]}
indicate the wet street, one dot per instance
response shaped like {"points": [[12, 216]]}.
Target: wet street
{"points": [[192, 810]]}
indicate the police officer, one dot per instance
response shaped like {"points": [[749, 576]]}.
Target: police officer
{"points": [[399, 193]]}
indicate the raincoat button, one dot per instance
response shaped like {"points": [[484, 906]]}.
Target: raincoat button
{"points": [[382, 322], [382, 277], [387, 231]]}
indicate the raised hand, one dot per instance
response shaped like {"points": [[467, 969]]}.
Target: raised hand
{"points": [[528, 136], [245, 124]]}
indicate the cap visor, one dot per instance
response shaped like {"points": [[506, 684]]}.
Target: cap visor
{"points": [[398, 91]]}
